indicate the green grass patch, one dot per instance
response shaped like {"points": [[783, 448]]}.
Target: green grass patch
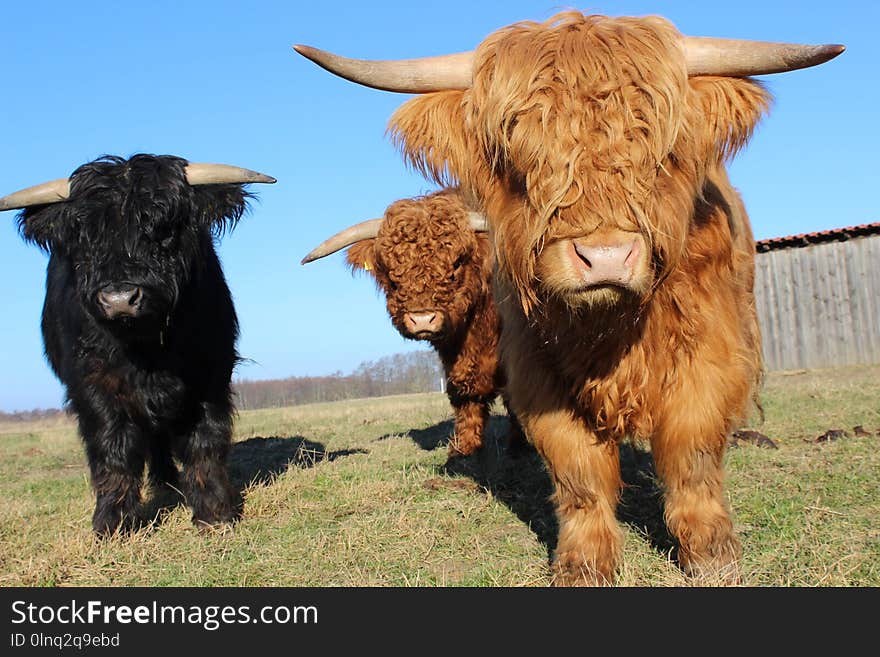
{"points": [[360, 493]]}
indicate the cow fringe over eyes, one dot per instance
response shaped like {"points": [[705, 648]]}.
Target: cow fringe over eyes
{"points": [[140, 327], [549, 124], [585, 131]]}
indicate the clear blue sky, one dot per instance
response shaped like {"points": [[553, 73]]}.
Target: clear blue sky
{"points": [[218, 82]]}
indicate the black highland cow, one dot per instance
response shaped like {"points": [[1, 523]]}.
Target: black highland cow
{"points": [[139, 325]]}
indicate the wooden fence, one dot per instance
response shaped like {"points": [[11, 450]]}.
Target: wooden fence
{"points": [[819, 304]]}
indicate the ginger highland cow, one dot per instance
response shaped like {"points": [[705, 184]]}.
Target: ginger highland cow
{"points": [[596, 147], [431, 259]]}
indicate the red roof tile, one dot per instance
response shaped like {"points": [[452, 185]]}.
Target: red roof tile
{"points": [[806, 239]]}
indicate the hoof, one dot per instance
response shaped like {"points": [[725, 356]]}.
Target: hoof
{"points": [[224, 529], [568, 570]]}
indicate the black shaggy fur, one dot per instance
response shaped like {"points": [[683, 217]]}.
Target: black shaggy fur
{"points": [[153, 386]]}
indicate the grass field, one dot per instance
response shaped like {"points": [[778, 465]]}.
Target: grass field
{"points": [[360, 493]]}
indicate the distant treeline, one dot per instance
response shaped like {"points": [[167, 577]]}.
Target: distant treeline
{"points": [[26, 416], [417, 371]]}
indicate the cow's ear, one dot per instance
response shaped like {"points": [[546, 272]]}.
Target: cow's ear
{"points": [[362, 256], [727, 111], [429, 131], [219, 206], [46, 225]]}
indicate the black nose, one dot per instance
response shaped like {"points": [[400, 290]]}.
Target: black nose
{"points": [[120, 300]]}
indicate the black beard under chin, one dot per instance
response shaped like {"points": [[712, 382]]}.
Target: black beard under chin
{"points": [[145, 330]]}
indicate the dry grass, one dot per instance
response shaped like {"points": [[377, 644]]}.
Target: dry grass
{"points": [[360, 494]]}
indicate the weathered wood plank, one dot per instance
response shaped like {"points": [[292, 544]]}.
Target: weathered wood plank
{"points": [[819, 305]]}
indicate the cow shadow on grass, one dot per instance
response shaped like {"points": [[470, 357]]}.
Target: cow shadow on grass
{"points": [[641, 505], [430, 438], [517, 479], [253, 462], [258, 461], [520, 481]]}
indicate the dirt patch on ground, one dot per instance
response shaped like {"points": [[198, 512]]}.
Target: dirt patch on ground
{"points": [[439, 483]]}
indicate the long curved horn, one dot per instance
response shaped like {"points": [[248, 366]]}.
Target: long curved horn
{"points": [[408, 76], [196, 174], [703, 55], [737, 58], [216, 174], [477, 222], [48, 192], [369, 229], [362, 231]]}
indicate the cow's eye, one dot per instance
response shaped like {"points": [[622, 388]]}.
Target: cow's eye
{"points": [[164, 236], [456, 267]]}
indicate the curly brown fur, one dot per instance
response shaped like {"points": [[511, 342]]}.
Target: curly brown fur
{"points": [[585, 132], [426, 259]]}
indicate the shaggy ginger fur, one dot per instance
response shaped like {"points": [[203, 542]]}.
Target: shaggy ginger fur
{"points": [[586, 132], [426, 258]]}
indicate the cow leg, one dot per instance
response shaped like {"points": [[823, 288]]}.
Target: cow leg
{"points": [[689, 461], [163, 472], [205, 475], [470, 423], [584, 470], [116, 463], [586, 479], [517, 443]]}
